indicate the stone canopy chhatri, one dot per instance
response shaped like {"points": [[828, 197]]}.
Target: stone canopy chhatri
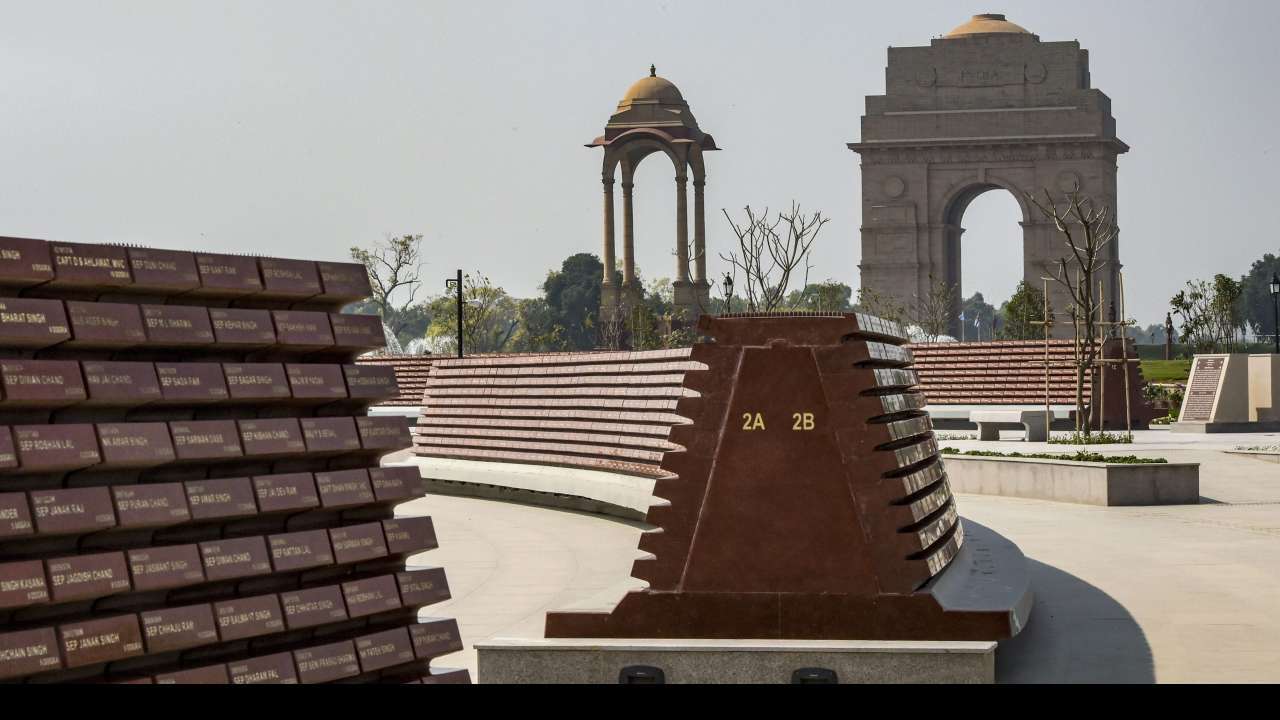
{"points": [[988, 106], [653, 117]]}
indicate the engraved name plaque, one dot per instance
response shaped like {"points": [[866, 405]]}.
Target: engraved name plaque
{"points": [[42, 383], [267, 670], [423, 587], [151, 506], [177, 325], [267, 438], [55, 448], [343, 283], [409, 535], [27, 324], [287, 492], [104, 325], [205, 440], [227, 276], [121, 384], [99, 641], [248, 617], [135, 445], [221, 499], [357, 543], [87, 576], [434, 638], [256, 381], [302, 329], [385, 649], [162, 568], [80, 265], [171, 629], [393, 484], [357, 332], [308, 608], [371, 382], [169, 271], [242, 328], [340, 489], [25, 262], [211, 675], [289, 279], [229, 559], [28, 652], [75, 511], [327, 663], [300, 550], [330, 435], [191, 383], [22, 584], [383, 433], [371, 596], [1202, 393], [316, 382], [15, 514]]}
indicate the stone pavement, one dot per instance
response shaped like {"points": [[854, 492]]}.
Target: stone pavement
{"points": [[1170, 594]]}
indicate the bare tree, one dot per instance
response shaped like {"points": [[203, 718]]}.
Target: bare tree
{"points": [[935, 308], [771, 251], [1087, 231], [394, 265]]}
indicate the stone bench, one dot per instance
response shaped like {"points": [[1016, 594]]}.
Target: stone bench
{"points": [[991, 422]]}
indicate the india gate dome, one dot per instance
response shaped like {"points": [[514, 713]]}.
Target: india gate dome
{"points": [[988, 24], [654, 88]]}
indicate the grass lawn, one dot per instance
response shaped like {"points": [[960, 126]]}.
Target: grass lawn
{"points": [[1163, 371]]}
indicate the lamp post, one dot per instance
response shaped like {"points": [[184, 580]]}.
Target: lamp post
{"points": [[1275, 308], [728, 294], [455, 284]]}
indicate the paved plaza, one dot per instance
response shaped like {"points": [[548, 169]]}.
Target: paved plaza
{"points": [[1168, 594]]}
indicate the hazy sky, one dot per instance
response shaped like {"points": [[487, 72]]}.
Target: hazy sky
{"points": [[299, 128]]}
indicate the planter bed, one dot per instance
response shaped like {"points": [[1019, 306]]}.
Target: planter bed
{"points": [[1082, 483]]}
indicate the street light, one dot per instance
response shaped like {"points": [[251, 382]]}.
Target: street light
{"points": [[728, 294], [1275, 307], [455, 284]]}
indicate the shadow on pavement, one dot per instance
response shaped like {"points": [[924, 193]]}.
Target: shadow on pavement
{"points": [[1077, 634]]}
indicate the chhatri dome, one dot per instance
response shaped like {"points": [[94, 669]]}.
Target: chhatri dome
{"points": [[653, 88], [987, 24]]}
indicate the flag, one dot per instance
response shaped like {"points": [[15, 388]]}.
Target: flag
{"points": [[961, 316]]}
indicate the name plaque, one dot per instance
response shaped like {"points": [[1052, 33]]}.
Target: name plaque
{"points": [[434, 638], [162, 568], [409, 535], [327, 663], [302, 329], [230, 559], [371, 382], [423, 587], [371, 596], [256, 381], [227, 275], [393, 484], [121, 384], [27, 324], [205, 440], [28, 652], [177, 325], [211, 675], [99, 641], [308, 608], [192, 383], [82, 577], [343, 283], [385, 649], [247, 328], [104, 325], [82, 265], [22, 584], [75, 511], [264, 438], [171, 629], [357, 332], [340, 488], [42, 383], [248, 617], [15, 514], [150, 506], [327, 435], [316, 382], [221, 499], [286, 492], [55, 448], [291, 279], [383, 433], [266, 670], [357, 543], [135, 445], [170, 271], [1202, 392], [300, 550], [25, 262]]}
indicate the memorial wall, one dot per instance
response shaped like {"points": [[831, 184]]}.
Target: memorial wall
{"points": [[189, 482]]}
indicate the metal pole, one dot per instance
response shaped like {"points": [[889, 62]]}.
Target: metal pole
{"points": [[1101, 351], [1048, 419], [1275, 307], [459, 286], [1124, 361]]}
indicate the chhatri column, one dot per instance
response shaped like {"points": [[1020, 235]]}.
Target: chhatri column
{"points": [[682, 230], [628, 245], [700, 242], [608, 291]]}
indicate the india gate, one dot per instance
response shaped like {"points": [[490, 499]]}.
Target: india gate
{"points": [[989, 106]]}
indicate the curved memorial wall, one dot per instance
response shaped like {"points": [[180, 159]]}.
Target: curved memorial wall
{"points": [[189, 482]]}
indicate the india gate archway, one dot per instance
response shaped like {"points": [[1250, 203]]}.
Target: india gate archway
{"points": [[989, 106], [653, 117]]}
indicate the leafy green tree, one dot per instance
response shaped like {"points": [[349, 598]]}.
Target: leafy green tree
{"points": [[572, 294], [489, 318], [536, 330], [1258, 311], [1210, 313], [979, 318], [829, 296], [1022, 315]]}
